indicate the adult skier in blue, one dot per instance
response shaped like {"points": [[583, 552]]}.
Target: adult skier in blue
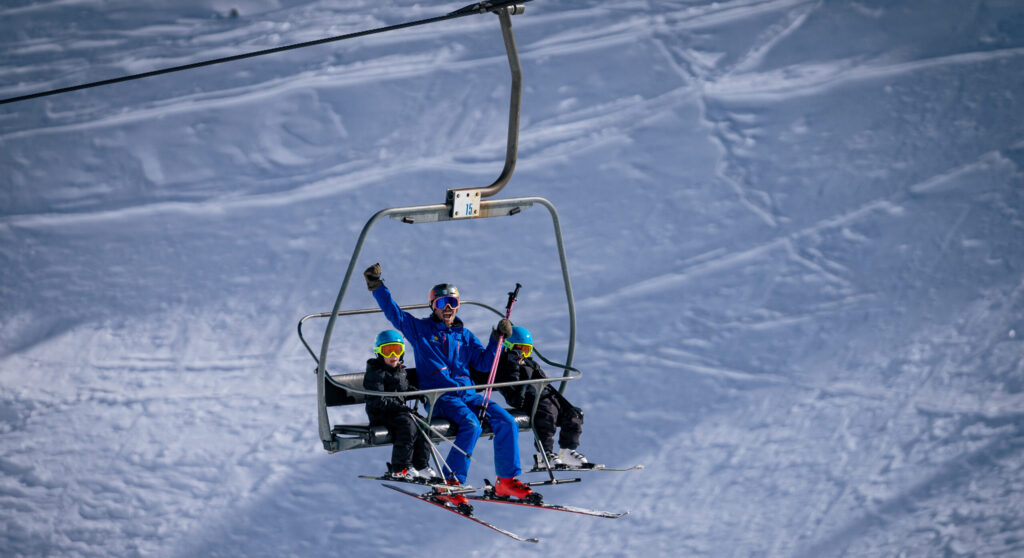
{"points": [[445, 351]]}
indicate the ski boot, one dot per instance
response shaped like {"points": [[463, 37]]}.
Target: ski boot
{"points": [[428, 475], [509, 488], [454, 500], [405, 474], [574, 459]]}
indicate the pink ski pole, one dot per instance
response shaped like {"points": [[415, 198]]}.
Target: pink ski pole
{"points": [[497, 354]]}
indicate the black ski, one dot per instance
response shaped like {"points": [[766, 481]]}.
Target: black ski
{"points": [[489, 496], [432, 500]]}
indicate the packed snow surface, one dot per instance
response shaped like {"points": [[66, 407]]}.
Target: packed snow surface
{"points": [[794, 228]]}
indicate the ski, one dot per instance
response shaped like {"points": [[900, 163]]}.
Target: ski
{"points": [[489, 496], [539, 466], [430, 500], [561, 468], [553, 481], [436, 482]]}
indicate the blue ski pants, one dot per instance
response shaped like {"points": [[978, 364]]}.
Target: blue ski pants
{"points": [[462, 408]]}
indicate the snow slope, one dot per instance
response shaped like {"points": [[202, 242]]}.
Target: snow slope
{"points": [[794, 230]]}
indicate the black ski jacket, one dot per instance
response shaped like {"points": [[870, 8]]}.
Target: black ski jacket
{"points": [[381, 377], [521, 397], [511, 370]]}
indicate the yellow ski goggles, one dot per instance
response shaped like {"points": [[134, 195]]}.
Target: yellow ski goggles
{"points": [[524, 349], [390, 350]]}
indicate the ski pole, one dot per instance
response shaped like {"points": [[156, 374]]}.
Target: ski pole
{"points": [[497, 353], [439, 435], [442, 465]]}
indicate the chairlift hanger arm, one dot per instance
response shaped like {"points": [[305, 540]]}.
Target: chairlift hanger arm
{"points": [[515, 102]]}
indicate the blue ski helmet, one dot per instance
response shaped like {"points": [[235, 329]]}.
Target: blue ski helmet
{"points": [[388, 336], [520, 335]]}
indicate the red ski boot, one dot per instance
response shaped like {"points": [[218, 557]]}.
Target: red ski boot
{"points": [[457, 501], [514, 488]]}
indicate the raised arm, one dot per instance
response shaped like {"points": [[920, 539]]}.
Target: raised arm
{"points": [[402, 320]]}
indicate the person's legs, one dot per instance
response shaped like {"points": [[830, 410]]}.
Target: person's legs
{"points": [[506, 442], [544, 423], [403, 432], [571, 425], [456, 410], [421, 452], [506, 452]]}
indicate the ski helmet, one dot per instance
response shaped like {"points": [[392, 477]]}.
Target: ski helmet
{"points": [[443, 289], [388, 336], [520, 336]]}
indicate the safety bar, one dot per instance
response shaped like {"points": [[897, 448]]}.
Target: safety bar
{"points": [[432, 395]]}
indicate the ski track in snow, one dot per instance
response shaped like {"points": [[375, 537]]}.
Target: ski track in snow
{"points": [[554, 140], [787, 83], [804, 373]]}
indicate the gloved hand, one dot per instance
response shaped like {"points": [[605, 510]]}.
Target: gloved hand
{"points": [[504, 327], [372, 275]]}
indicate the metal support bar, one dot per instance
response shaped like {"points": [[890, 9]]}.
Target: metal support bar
{"points": [[434, 394]]}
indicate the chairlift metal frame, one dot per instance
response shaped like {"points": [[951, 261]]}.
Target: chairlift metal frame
{"points": [[460, 204]]}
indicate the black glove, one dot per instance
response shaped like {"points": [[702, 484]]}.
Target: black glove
{"points": [[504, 327], [372, 275]]}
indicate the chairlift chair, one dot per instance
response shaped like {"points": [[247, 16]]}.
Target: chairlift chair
{"points": [[460, 205]]}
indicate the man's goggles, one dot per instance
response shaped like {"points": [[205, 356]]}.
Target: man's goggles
{"points": [[524, 349], [442, 301], [390, 350]]}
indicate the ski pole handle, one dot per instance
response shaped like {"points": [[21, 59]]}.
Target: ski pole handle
{"points": [[512, 300]]}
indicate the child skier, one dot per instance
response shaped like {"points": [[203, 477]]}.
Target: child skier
{"points": [[410, 453], [553, 411]]}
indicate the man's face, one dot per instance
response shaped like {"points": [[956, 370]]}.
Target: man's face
{"points": [[446, 314]]}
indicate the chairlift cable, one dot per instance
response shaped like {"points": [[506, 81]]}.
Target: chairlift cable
{"points": [[472, 9]]}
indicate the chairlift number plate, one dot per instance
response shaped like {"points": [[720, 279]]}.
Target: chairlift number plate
{"points": [[465, 203]]}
